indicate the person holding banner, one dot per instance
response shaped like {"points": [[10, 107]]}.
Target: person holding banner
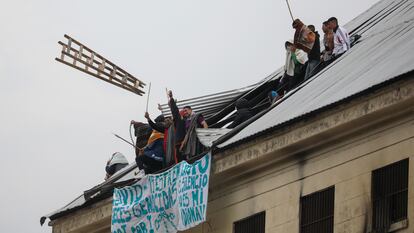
{"points": [[304, 38]]}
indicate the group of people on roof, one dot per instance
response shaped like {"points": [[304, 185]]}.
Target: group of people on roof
{"points": [[304, 57], [165, 141], [172, 139]]}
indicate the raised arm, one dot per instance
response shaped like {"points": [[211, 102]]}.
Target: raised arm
{"points": [[173, 107], [158, 127]]}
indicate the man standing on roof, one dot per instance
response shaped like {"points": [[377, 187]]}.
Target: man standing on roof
{"points": [[115, 163], [191, 145], [314, 55], [342, 42], [190, 116], [328, 42], [295, 66], [179, 127]]}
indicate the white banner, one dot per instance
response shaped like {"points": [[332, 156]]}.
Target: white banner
{"points": [[167, 202]]}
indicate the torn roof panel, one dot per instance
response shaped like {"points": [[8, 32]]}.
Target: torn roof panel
{"points": [[216, 106], [383, 52]]}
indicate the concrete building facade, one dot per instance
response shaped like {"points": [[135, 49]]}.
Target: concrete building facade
{"points": [[334, 155]]}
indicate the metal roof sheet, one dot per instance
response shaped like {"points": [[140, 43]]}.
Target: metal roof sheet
{"points": [[383, 52]]}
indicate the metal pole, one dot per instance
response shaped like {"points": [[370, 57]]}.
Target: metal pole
{"points": [[290, 11], [149, 91], [116, 135]]}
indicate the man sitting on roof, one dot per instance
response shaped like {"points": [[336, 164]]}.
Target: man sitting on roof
{"points": [[243, 113], [151, 157], [342, 42], [115, 163]]}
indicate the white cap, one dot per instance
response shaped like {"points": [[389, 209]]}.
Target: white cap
{"points": [[118, 158]]}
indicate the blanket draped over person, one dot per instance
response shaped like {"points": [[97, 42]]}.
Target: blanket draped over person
{"points": [[190, 146], [304, 38], [169, 145]]}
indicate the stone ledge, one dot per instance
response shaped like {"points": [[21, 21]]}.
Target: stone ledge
{"points": [[80, 220]]}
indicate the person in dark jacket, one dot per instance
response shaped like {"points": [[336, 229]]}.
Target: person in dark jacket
{"points": [[314, 56], [243, 113], [179, 127], [165, 126], [151, 157]]}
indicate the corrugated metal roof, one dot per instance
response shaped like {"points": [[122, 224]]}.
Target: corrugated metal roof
{"points": [[384, 52], [218, 106], [209, 104]]}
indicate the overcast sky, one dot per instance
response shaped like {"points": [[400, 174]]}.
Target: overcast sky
{"points": [[56, 122]]}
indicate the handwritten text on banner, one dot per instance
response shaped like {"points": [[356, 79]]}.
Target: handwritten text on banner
{"points": [[173, 200]]}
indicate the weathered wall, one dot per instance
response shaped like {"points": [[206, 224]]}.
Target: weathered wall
{"points": [[348, 145], [347, 167]]}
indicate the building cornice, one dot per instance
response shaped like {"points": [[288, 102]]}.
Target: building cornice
{"points": [[320, 129]]}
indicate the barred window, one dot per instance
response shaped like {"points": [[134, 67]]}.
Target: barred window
{"points": [[317, 211], [252, 224], [389, 195]]}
